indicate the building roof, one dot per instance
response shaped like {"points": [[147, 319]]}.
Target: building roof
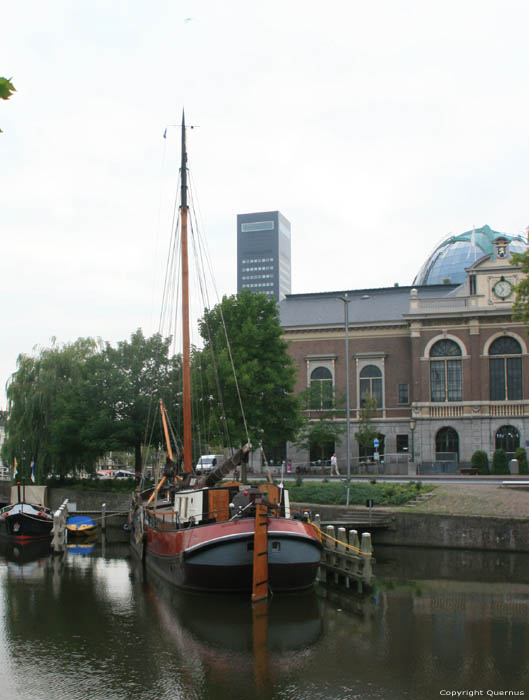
{"points": [[455, 254], [366, 306]]}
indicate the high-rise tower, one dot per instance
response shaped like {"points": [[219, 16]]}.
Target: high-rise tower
{"points": [[263, 253]]}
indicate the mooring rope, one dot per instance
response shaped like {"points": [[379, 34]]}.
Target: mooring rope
{"points": [[341, 542]]}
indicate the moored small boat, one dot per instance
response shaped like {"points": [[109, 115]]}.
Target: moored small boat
{"points": [[25, 521], [80, 526]]}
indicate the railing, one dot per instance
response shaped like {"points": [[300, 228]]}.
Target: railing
{"points": [[462, 409]]}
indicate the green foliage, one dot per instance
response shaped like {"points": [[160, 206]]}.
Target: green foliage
{"points": [[521, 456], [70, 404], [521, 290], [45, 413], [125, 385], [335, 494], [264, 372], [366, 430], [480, 461], [6, 88], [500, 464], [316, 435]]}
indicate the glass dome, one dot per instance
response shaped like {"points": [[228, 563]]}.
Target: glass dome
{"points": [[447, 264]]}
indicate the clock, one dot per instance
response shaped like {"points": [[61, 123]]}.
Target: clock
{"points": [[502, 289]]}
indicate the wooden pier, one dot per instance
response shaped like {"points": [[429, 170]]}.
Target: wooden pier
{"points": [[346, 557]]}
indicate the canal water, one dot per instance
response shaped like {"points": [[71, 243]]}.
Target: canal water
{"points": [[91, 625]]}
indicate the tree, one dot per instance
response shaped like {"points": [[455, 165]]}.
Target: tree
{"points": [[6, 89], [366, 430], [320, 435], [521, 300], [262, 375], [45, 415], [125, 386]]}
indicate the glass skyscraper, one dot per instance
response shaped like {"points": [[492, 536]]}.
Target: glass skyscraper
{"points": [[263, 253]]}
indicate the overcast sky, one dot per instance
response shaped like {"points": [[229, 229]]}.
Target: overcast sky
{"points": [[375, 128]]}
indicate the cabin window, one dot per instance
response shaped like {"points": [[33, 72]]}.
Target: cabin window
{"points": [[276, 546]]}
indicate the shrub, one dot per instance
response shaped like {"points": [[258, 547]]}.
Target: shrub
{"points": [[335, 494], [521, 456], [499, 462], [480, 461]]}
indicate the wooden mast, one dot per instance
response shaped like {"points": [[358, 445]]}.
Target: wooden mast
{"points": [[186, 350]]}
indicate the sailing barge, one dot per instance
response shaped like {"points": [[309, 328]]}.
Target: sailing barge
{"points": [[201, 533]]}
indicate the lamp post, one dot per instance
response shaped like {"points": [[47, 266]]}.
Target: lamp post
{"points": [[412, 425], [346, 302]]}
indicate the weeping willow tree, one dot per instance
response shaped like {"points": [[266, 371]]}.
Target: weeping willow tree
{"points": [[46, 413]]}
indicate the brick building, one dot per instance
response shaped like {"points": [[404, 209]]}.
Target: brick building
{"points": [[446, 363]]}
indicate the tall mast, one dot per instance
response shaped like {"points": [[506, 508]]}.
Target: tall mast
{"points": [[186, 350]]}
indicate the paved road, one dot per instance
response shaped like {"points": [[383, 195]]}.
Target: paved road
{"points": [[401, 479]]}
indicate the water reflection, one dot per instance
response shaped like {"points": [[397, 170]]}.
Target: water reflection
{"points": [[221, 633], [96, 625]]}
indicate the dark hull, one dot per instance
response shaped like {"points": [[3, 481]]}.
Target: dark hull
{"points": [[219, 557], [21, 527]]}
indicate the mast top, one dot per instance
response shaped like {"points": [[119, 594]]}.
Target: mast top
{"points": [[183, 166]]}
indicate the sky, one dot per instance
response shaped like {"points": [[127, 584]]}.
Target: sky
{"points": [[377, 129]]}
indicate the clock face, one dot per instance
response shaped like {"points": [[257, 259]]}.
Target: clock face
{"points": [[502, 289]]}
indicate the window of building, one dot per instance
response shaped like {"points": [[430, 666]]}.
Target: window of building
{"points": [[505, 372], [371, 384], [402, 443], [472, 284], [447, 445], [508, 439], [404, 393], [446, 374], [321, 390], [258, 226]]}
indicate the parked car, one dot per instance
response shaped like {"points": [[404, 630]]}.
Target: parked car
{"points": [[208, 462], [124, 474], [105, 473]]}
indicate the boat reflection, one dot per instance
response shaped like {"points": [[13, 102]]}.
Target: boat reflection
{"points": [[226, 632], [26, 560]]}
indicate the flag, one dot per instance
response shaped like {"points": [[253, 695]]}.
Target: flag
{"points": [[15, 468], [32, 467]]}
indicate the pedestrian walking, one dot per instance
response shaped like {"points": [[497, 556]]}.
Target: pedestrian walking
{"points": [[334, 465]]}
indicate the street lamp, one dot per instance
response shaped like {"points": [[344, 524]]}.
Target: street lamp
{"points": [[413, 425], [346, 302]]}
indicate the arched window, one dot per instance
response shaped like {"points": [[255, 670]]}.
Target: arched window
{"points": [[446, 376], [507, 438], [371, 383], [505, 371], [447, 444], [321, 388]]}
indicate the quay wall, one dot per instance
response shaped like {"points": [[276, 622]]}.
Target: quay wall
{"points": [[415, 529], [89, 500], [411, 529]]}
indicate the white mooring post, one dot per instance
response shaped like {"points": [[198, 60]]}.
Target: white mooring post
{"points": [[58, 543], [367, 550]]}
